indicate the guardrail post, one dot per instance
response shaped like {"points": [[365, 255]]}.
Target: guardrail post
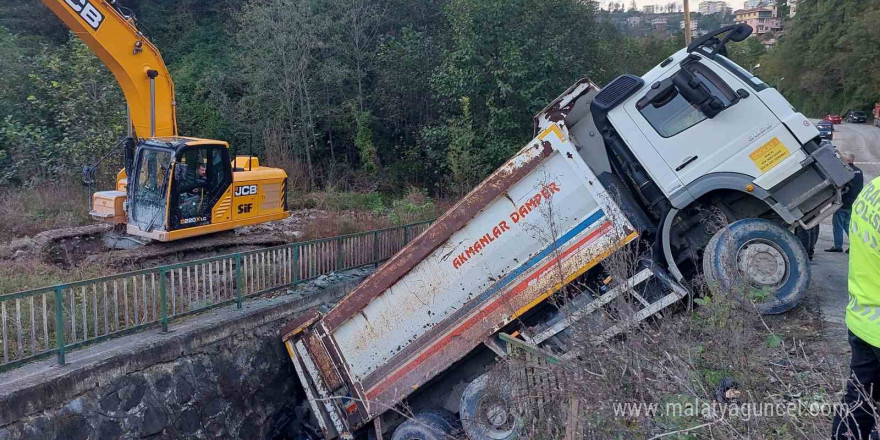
{"points": [[163, 299], [295, 264], [238, 281], [405, 235], [376, 248], [59, 322], [339, 254]]}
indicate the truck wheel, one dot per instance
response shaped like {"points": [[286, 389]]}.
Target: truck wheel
{"points": [[488, 413], [758, 255], [429, 425]]}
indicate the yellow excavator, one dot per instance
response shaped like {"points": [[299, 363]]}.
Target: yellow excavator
{"points": [[172, 187]]}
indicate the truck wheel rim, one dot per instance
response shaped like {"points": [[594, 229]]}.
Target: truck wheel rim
{"points": [[763, 264], [495, 417]]}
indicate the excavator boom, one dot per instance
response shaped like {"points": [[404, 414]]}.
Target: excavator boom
{"points": [[131, 57], [185, 186]]}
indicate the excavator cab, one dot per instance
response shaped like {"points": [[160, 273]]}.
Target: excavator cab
{"points": [[202, 174], [176, 184]]}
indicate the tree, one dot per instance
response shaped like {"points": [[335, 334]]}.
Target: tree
{"points": [[62, 108], [466, 165], [828, 57], [280, 38]]}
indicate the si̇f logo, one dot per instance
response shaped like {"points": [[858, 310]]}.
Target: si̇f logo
{"points": [[87, 11], [246, 190]]}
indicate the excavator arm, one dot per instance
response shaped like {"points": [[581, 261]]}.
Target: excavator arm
{"points": [[131, 57]]}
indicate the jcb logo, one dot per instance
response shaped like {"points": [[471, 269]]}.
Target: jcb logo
{"points": [[246, 190], [92, 16], [245, 208]]}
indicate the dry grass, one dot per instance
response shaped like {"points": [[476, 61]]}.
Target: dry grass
{"points": [[719, 370], [30, 274], [51, 205], [352, 212]]}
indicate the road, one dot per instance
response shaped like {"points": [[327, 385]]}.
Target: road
{"points": [[828, 287]]}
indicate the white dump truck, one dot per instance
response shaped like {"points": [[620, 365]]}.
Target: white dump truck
{"points": [[643, 160]]}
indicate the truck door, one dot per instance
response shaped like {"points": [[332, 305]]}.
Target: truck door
{"points": [[745, 137]]}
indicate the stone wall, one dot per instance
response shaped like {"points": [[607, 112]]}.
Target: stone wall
{"points": [[229, 379]]}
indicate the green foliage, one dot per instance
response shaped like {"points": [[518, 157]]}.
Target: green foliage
{"points": [[400, 92], [466, 165], [829, 58], [62, 111], [363, 140], [415, 207], [774, 341]]}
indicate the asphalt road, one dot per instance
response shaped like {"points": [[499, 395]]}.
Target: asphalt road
{"points": [[828, 288]]}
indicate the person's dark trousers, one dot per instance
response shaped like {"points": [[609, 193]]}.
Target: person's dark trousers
{"points": [[841, 226], [808, 239], [864, 380], [814, 237]]}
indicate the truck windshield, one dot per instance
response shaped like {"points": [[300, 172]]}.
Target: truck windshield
{"points": [[150, 188], [677, 114]]}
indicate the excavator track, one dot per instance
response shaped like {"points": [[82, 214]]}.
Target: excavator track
{"points": [[85, 245]]}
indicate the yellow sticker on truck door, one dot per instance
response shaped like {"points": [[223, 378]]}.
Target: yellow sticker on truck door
{"points": [[769, 155]]}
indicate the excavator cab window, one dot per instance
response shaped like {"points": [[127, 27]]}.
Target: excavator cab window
{"points": [[150, 187], [205, 175]]}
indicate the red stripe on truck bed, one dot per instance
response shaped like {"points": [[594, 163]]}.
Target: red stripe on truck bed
{"points": [[458, 334], [437, 234]]}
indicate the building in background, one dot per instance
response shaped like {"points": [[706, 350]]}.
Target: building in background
{"points": [[763, 20], [713, 7], [752, 4], [634, 21], [649, 9], [695, 28], [660, 23], [792, 7]]}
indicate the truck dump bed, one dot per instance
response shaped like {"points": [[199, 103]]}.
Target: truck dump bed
{"points": [[535, 224]]}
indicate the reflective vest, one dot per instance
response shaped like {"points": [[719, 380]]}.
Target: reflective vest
{"points": [[863, 310]]}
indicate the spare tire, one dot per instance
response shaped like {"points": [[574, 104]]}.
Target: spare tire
{"points": [[756, 254]]}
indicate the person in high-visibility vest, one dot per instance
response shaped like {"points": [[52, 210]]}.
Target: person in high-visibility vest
{"points": [[862, 319]]}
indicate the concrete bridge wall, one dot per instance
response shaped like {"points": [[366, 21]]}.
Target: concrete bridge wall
{"points": [[222, 374]]}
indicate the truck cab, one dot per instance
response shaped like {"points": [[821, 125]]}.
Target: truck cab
{"points": [[698, 137]]}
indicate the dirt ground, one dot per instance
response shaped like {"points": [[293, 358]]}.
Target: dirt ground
{"points": [[70, 254]]}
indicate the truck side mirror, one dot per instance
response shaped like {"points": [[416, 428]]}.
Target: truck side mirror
{"points": [[695, 92]]}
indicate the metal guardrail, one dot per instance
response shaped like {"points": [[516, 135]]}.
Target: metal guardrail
{"points": [[39, 323]]}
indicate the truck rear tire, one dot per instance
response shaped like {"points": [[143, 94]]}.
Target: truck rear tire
{"points": [[756, 254], [429, 425], [487, 413]]}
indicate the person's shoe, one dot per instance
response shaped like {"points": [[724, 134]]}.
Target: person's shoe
{"points": [[834, 249]]}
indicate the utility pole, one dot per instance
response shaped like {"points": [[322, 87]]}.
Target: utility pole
{"points": [[687, 23]]}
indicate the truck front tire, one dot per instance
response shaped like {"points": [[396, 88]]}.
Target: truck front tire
{"points": [[754, 255]]}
